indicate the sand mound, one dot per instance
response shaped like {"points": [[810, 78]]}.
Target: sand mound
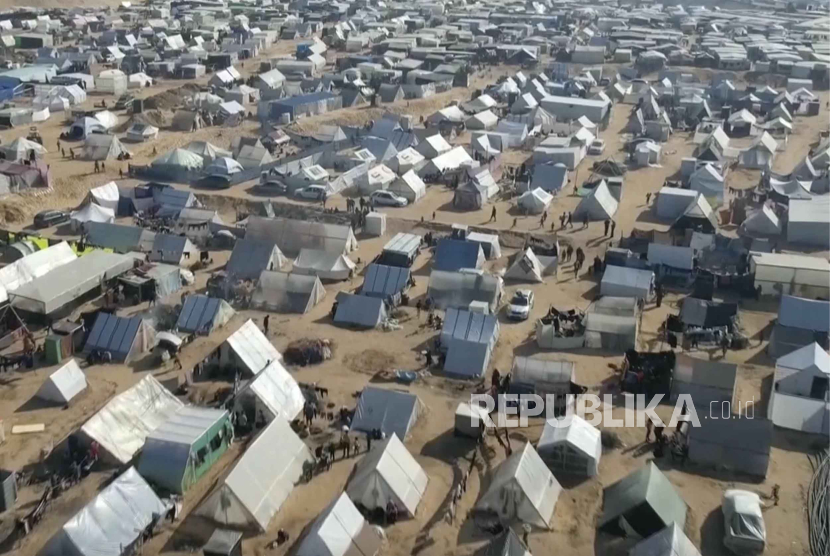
{"points": [[11, 213], [370, 362], [170, 99]]}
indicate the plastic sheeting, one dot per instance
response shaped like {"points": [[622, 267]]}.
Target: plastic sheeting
{"points": [[459, 289], [122, 425], [745, 530], [201, 314], [522, 488], [671, 541], [32, 266], [111, 522], [64, 384], [359, 310], [91, 213], [261, 481], [388, 473], [469, 339], [600, 204], [620, 281], [276, 390], [385, 282], [526, 268], [294, 235], [106, 195], [125, 338]]}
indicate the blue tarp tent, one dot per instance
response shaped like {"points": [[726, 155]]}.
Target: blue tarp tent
{"points": [[124, 338], [454, 254]]}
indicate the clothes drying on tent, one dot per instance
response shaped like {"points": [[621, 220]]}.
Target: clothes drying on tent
{"points": [[259, 484], [522, 489], [388, 474], [64, 384]]}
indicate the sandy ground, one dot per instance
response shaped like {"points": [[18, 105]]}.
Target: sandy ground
{"points": [[361, 358]]}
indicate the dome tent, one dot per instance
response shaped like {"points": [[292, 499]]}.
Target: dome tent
{"points": [[179, 159]]}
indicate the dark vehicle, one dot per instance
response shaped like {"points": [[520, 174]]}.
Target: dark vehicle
{"points": [[272, 185], [49, 218], [215, 181], [124, 101]]}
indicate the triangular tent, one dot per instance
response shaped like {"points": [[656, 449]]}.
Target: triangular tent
{"points": [[526, 268], [64, 384], [388, 473], [600, 204], [340, 530]]}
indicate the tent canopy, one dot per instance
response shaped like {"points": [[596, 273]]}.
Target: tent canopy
{"points": [[671, 541], [459, 289], [359, 310], [111, 522], [261, 481], [122, 425], [340, 530], [125, 338], [385, 282], [248, 348], [454, 254], [250, 257], [285, 292], [324, 265], [469, 339], [201, 314], [276, 391], [389, 411], [294, 235], [522, 488], [600, 204], [388, 473], [572, 445], [526, 268], [64, 384]]}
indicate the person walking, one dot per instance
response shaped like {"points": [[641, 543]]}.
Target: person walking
{"points": [[649, 428], [648, 198], [542, 220], [418, 309], [607, 225], [493, 215], [585, 221], [332, 453], [562, 220], [265, 323], [570, 221], [613, 228]]}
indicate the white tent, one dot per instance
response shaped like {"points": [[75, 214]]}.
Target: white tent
{"points": [[113, 82], [409, 186], [324, 265], [33, 265], [619, 281], [378, 178], [287, 292], [224, 166], [274, 392], [708, 181], [671, 541], [388, 473], [91, 213], [535, 202], [64, 384], [526, 268], [111, 522], [248, 349], [22, 149], [107, 119], [140, 132], [340, 530], [600, 204], [122, 426], [261, 481], [571, 445], [522, 488], [179, 159], [139, 81]]}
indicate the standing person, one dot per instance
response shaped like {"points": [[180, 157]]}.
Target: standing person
{"points": [[607, 224], [542, 220], [724, 344], [580, 254], [562, 220], [525, 534], [659, 294], [368, 441], [493, 215], [496, 377], [570, 222], [648, 198], [649, 428], [332, 453], [59, 144], [418, 309], [613, 228], [585, 220], [265, 323]]}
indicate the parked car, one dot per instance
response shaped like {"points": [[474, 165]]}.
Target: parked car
{"points": [[387, 199], [596, 146], [312, 192], [48, 218], [272, 185], [521, 305]]}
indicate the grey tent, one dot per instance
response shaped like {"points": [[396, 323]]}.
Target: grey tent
{"points": [[64, 384], [469, 340], [201, 314], [111, 523], [644, 502], [324, 265], [261, 481], [549, 177], [738, 444], [706, 382], [672, 202], [600, 204], [671, 541], [526, 267], [800, 323], [285, 292], [389, 411], [386, 282], [119, 238], [102, 147], [522, 489], [247, 350], [359, 310], [401, 250], [620, 281], [171, 249], [293, 235], [506, 544], [251, 256], [697, 216], [124, 338], [762, 223], [454, 254], [612, 323], [459, 289]]}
